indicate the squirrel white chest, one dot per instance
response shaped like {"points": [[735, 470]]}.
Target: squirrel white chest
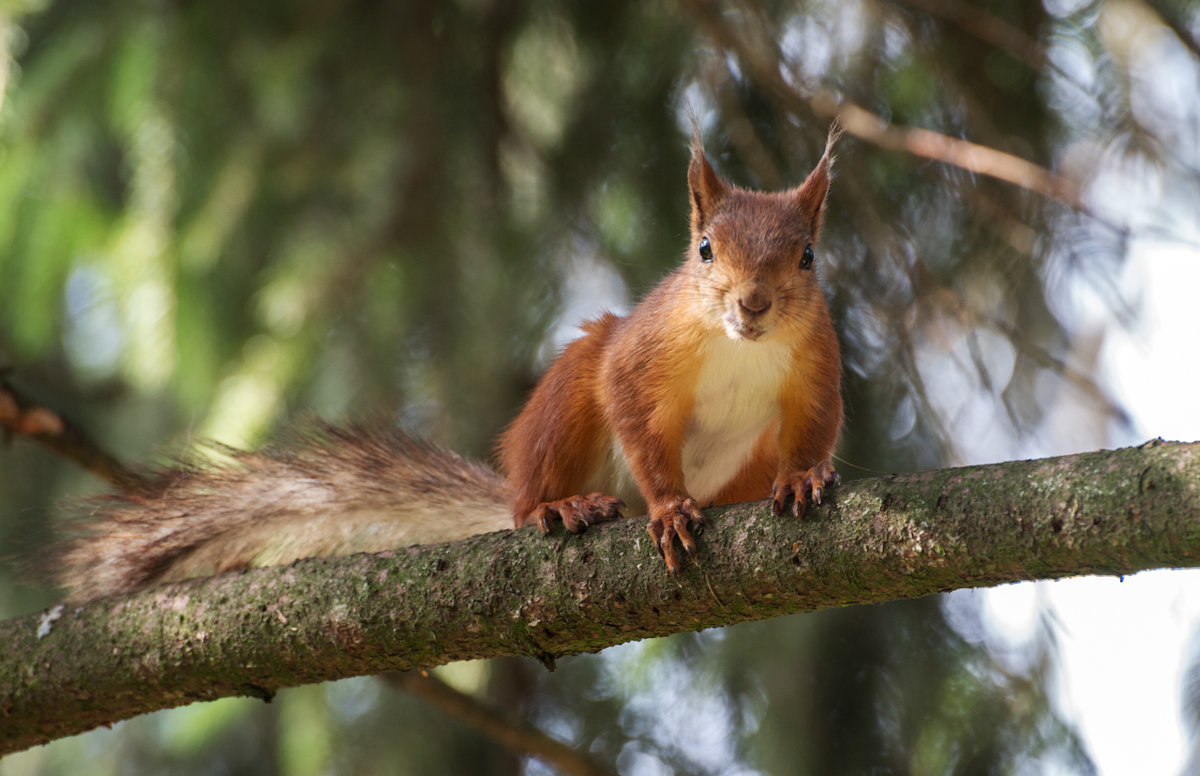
{"points": [[736, 400]]}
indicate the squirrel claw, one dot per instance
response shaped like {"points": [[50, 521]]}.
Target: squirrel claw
{"points": [[576, 512], [803, 488], [674, 520]]}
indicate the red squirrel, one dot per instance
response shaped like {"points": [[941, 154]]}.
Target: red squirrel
{"points": [[722, 385]]}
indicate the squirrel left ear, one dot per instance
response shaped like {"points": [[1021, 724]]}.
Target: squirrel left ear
{"points": [[809, 198], [706, 187]]}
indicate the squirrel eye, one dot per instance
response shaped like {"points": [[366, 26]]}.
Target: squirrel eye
{"points": [[806, 260], [706, 254]]}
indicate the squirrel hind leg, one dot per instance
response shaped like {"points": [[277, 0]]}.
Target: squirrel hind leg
{"points": [[575, 512]]}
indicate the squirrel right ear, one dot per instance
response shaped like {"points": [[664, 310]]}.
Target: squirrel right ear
{"points": [[706, 187], [809, 197]]}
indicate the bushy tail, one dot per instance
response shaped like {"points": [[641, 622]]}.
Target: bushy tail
{"points": [[326, 490]]}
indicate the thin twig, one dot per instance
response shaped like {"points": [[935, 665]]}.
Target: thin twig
{"points": [[972, 157], [18, 415], [737, 125], [987, 27], [512, 734], [860, 122]]}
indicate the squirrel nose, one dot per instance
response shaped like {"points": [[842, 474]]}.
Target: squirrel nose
{"points": [[755, 302]]}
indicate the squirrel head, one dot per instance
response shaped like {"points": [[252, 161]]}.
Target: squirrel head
{"points": [[752, 253]]}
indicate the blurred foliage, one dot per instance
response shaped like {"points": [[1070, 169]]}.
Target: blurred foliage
{"points": [[218, 216]]}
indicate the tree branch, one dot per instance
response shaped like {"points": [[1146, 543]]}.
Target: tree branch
{"points": [[518, 593]]}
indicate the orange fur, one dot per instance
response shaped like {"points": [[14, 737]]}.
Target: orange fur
{"points": [[722, 385], [645, 392]]}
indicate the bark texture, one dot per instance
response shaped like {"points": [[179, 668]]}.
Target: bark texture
{"points": [[519, 593]]}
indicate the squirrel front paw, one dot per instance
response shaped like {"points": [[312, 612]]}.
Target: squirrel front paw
{"points": [[674, 519], [576, 512], [803, 487]]}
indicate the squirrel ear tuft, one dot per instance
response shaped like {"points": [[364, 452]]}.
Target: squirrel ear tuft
{"points": [[809, 198], [706, 187]]}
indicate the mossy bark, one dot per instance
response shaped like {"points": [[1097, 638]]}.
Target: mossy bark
{"points": [[519, 593]]}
